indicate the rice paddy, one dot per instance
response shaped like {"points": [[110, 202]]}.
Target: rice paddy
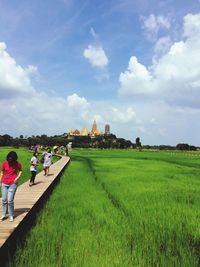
{"points": [[119, 208]]}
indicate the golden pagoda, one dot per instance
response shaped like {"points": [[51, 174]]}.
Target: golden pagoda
{"points": [[84, 131], [94, 130]]}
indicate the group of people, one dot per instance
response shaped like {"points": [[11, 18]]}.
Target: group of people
{"points": [[64, 150], [11, 171], [46, 161]]}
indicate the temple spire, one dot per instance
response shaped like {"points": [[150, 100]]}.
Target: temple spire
{"points": [[94, 130]]}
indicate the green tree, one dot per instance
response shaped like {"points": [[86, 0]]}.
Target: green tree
{"points": [[138, 142]]}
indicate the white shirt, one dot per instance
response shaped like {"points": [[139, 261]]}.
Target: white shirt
{"points": [[34, 162], [47, 159]]}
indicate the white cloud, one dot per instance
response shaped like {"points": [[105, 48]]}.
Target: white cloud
{"points": [[93, 33], [33, 115], [174, 76], [129, 115], [120, 115], [31, 70], [77, 102], [136, 79], [14, 79], [192, 25], [37, 112], [100, 77], [162, 45], [78, 108], [153, 24], [24, 109], [96, 56]]}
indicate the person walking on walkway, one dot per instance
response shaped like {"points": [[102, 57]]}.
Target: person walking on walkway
{"points": [[33, 168], [47, 161], [11, 171]]}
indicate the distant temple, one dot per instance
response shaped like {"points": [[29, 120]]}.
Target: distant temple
{"points": [[107, 129], [74, 132], [94, 131], [84, 132]]}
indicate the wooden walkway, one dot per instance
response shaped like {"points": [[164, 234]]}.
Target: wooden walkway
{"points": [[27, 201]]}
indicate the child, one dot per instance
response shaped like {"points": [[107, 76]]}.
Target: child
{"points": [[34, 164], [47, 161]]}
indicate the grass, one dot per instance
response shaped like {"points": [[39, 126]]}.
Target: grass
{"points": [[120, 208]]}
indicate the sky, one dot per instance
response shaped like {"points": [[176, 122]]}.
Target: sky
{"points": [[133, 64]]}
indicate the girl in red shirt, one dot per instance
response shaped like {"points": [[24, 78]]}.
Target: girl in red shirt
{"points": [[11, 171]]}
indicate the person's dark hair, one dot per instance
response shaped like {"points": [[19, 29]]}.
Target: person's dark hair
{"points": [[49, 150], [35, 154], [12, 157]]}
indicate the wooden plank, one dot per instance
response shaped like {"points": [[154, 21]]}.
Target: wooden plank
{"points": [[26, 198]]}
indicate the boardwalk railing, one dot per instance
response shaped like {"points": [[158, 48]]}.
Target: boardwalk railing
{"points": [[28, 200]]}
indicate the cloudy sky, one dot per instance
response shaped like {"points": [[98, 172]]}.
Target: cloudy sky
{"points": [[134, 64]]}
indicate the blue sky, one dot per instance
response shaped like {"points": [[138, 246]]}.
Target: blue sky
{"points": [[132, 64]]}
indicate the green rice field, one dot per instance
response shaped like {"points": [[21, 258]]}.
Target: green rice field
{"points": [[119, 208]]}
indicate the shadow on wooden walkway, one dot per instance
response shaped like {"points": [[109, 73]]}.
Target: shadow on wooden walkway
{"points": [[28, 200]]}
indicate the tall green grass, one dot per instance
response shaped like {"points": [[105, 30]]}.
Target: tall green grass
{"points": [[120, 208], [160, 197]]}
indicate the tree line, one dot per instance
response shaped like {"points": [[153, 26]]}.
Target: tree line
{"points": [[102, 141]]}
